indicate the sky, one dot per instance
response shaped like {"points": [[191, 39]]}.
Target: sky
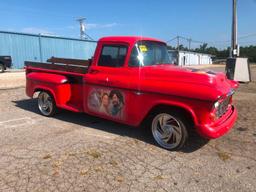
{"points": [[202, 20]]}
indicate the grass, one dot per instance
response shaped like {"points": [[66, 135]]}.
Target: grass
{"points": [[48, 156], [95, 154], [224, 156]]}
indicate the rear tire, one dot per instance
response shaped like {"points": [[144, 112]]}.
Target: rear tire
{"points": [[169, 129], [1, 68], [46, 104]]}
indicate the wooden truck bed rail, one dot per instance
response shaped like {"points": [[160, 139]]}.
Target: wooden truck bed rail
{"points": [[69, 61], [64, 67]]}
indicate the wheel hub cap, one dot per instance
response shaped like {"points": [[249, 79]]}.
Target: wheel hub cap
{"points": [[166, 131]]}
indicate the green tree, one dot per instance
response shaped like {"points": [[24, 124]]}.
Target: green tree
{"points": [[247, 51]]}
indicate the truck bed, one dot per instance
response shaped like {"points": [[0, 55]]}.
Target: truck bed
{"points": [[59, 65], [71, 69]]}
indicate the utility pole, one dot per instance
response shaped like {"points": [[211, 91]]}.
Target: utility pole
{"points": [[234, 47], [189, 44], [237, 68], [178, 43], [82, 27]]}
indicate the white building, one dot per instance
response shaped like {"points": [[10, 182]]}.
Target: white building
{"points": [[186, 58]]}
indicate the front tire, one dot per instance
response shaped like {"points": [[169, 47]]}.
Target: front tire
{"points": [[169, 130], [46, 104]]}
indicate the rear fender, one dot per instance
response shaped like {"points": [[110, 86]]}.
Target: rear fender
{"points": [[55, 84], [47, 78]]}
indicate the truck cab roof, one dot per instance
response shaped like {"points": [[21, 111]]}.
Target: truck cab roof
{"points": [[128, 39]]}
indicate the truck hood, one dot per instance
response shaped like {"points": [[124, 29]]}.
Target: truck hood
{"points": [[188, 82]]}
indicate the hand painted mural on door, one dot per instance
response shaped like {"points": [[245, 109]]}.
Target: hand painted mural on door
{"points": [[108, 102]]}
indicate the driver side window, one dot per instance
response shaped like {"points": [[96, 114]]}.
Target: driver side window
{"points": [[112, 56]]}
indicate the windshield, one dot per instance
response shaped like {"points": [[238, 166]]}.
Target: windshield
{"points": [[146, 53]]}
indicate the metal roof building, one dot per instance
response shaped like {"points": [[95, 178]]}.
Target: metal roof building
{"points": [[30, 47], [186, 58]]}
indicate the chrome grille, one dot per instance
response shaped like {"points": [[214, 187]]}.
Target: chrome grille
{"points": [[223, 107]]}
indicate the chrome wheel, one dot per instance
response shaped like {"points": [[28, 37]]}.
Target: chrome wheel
{"points": [[46, 104], [167, 131]]}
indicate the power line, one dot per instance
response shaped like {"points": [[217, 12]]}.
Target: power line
{"points": [[225, 42], [171, 40], [228, 41], [190, 41], [89, 37], [247, 42], [247, 36]]}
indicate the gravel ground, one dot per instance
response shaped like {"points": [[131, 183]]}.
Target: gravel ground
{"points": [[12, 79], [221, 68], [77, 152]]}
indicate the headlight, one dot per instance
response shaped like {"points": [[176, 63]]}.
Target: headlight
{"points": [[220, 107], [216, 104]]}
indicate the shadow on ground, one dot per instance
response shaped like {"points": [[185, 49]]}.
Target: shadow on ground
{"points": [[194, 143]]}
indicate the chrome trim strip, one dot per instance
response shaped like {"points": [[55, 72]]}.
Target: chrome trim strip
{"points": [[231, 92]]}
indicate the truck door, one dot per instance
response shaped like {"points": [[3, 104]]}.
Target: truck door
{"points": [[107, 83]]}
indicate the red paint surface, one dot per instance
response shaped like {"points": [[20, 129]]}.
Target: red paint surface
{"points": [[143, 87]]}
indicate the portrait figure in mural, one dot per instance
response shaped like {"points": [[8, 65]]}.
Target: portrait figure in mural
{"points": [[104, 107], [116, 100], [94, 100]]}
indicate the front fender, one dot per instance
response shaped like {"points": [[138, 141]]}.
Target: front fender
{"points": [[177, 104]]}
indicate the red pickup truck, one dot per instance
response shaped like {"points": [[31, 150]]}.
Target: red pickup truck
{"points": [[130, 80]]}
